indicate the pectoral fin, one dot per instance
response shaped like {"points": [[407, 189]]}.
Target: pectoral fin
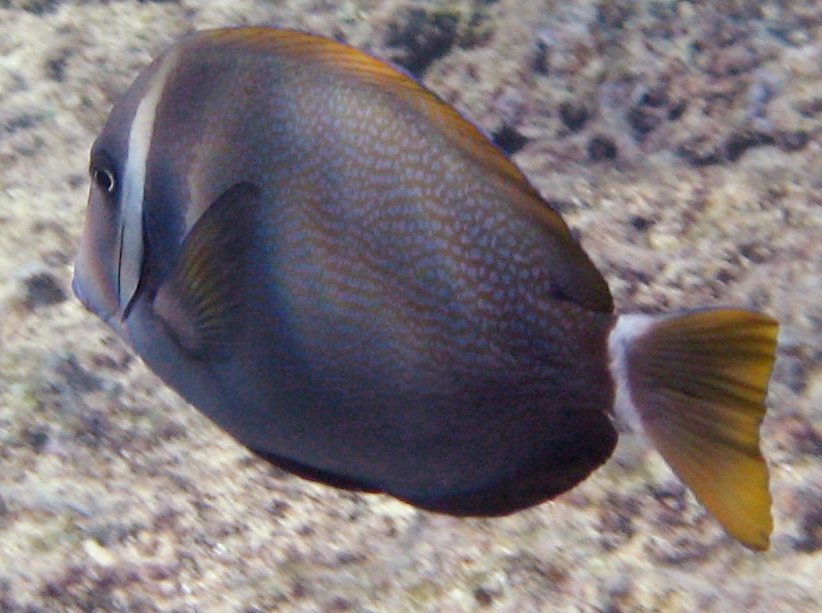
{"points": [[199, 302]]}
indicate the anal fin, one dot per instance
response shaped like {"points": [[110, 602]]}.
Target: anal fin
{"points": [[317, 475]]}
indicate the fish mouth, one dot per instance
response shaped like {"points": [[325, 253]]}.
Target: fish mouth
{"points": [[77, 289], [79, 293]]}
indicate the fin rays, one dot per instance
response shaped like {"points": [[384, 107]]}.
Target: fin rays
{"points": [[199, 302], [698, 383]]}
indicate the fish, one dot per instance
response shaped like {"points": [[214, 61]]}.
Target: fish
{"points": [[349, 277]]}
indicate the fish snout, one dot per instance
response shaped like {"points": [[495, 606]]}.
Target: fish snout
{"points": [[77, 289], [92, 294]]}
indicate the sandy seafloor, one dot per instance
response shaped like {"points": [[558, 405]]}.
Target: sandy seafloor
{"points": [[681, 140]]}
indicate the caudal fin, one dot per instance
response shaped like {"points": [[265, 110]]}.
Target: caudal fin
{"points": [[696, 383]]}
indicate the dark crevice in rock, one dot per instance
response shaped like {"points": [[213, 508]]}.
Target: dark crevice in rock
{"points": [[509, 139], [43, 289], [602, 148], [574, 116], [422, 37], [36, 7], [740, 142]]}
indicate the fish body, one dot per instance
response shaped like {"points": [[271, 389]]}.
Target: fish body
{"points": [[349, 278]]}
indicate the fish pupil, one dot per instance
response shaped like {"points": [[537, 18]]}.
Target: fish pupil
{"points": [[104, 179]]}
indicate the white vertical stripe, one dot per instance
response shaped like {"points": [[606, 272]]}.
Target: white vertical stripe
{"points": [[134, 179], [628, 328]]}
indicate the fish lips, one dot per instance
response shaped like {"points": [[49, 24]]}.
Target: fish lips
{"points": [[93, 301]]}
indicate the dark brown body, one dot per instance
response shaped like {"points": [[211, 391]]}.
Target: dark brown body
{"points": [[410, 316]]}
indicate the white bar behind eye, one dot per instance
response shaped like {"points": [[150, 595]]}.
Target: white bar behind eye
{"points": [[134, 180]]}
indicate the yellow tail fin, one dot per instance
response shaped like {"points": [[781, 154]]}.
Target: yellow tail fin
{"points": [[697, 384]]}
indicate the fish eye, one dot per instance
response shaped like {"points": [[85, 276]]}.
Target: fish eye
{"points": [[104, 179]]}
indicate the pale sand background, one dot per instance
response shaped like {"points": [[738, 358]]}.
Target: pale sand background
{"points": [[703, 187]]}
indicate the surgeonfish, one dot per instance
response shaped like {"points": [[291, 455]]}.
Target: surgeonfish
{"points": [[354, 282]]}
